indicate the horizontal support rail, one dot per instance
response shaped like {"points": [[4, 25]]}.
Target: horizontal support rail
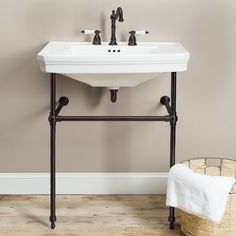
{"points": [[114, 118]]}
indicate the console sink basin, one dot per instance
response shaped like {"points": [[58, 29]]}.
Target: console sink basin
{"points": [[112, 66]]}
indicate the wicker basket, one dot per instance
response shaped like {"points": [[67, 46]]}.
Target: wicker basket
{"points": [[194, 226]]}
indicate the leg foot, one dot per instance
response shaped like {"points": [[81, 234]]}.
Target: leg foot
{"points": [[53, 226], [172, 222], [53, 220], [172, 226], [172, 218]]}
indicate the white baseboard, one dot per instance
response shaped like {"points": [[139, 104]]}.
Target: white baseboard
{"points": [[84, 183]]}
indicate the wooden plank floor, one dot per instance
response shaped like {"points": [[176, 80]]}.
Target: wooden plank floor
{"points": [[85, 215]]}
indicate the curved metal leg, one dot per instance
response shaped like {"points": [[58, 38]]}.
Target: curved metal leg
{"points": [[172, 138], [52, 120]]}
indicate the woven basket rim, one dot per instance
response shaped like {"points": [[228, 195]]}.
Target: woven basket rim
{"points": [[211, 158]]}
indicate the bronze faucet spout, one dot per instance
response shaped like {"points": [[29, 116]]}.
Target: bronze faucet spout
{"points": [[116, 15]]}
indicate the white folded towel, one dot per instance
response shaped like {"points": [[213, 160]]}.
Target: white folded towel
{"points": [[198, 194]]}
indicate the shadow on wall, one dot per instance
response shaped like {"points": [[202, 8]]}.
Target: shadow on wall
{"points": [[72, 88], [20, 62], [22, 85], [121, 142], [104, 28]]}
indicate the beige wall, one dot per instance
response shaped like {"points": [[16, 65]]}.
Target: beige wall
{"points": [[206, 93]]}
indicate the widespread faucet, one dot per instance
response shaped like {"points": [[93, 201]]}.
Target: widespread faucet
{"points": [[116, 15]]}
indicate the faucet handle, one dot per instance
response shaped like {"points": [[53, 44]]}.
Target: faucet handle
{"points": [[88, 31], [96, 39], [132, 38], [141, 32]]}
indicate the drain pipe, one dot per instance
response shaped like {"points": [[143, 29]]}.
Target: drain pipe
{"points": [[113, 94]]}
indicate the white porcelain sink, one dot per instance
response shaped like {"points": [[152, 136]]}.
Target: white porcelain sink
{"points": [[112, 66]]}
